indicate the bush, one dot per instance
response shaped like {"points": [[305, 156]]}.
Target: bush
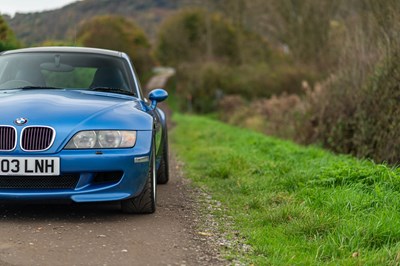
{"points": [[215, 57], [196, 36], [193, 35], [361, 120], [200, 84], [273, 116], [206, 83], [365, 121], [358, 110], [263, 80], [121, 34], [7, 37]]}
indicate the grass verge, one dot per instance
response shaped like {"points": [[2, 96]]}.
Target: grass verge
{"points": [[294, 205]]}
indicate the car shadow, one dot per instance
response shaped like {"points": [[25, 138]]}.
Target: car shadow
{"points": [[68, 212]]}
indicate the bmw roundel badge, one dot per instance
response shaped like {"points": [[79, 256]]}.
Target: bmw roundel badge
{"points": [[20, 121]]}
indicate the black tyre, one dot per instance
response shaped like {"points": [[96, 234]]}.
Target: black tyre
{"points": [[145, 202], [163, 170]]}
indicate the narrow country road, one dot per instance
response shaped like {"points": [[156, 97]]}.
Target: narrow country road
{"points": [[99, 234]]}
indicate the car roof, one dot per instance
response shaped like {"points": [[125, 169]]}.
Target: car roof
{"points": [[65, 49]]}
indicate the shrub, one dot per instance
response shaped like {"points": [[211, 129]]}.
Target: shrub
{"points": [[7, 37], [356, 110], [215, 57], [193, 35], [206, 83], [365, 121], [273, 116], [121, 34]]}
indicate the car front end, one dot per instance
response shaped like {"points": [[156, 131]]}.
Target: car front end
{"points": [[45, 154], [75, 126]]}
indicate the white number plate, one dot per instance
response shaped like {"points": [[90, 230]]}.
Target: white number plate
{"points": [[38, 166]]}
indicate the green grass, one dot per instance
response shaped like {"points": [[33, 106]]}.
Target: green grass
{"points": [[294, 205]]}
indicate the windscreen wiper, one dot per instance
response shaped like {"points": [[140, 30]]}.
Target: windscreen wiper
{"points": [[114, 90], [35, 88]]}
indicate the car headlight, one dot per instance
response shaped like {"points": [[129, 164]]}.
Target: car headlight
{"points": [[106, 139]]}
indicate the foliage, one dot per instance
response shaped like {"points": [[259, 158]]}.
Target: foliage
{"points": [[7, 38], [214, 57], [265, 49], [305, 27], [195, 36], [206, 83], [364, 120], [294, 205], [357, 112], [355, 108], [118, 33], [272, 116], [57, 43], [61, 24]]}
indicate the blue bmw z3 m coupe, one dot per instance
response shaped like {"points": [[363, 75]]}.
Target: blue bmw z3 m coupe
{"points": [[74, 125]]}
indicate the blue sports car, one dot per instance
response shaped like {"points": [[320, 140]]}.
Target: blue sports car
{"points": [[74, 125]]}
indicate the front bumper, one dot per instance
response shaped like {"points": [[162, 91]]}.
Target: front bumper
{"points": [[88, 165]]}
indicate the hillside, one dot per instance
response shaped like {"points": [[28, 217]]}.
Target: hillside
{"points": [[60, 24]]}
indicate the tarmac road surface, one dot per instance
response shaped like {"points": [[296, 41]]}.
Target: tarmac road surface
{"points": [[99, 234]]}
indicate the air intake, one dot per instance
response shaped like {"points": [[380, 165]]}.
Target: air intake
{"points": [[37, 138], [68, 181], [8, 138]]}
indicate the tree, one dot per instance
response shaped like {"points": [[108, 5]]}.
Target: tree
{"points": [[56, 43], [305, 27], [193, 35], [118, 33], [7, 38]]}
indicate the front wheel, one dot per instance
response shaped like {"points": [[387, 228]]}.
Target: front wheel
{"points": [[163, 171], [145, 202]]}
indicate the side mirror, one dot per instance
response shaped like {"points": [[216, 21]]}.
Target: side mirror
{"points": [[156, 96]]}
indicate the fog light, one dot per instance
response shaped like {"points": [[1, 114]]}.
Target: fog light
{"points": [[143, 159]]}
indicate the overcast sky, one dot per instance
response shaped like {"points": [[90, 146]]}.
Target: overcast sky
{"points": [[24, 6]]}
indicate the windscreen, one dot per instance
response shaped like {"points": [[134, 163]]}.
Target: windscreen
{"points": [[81, 71]]}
